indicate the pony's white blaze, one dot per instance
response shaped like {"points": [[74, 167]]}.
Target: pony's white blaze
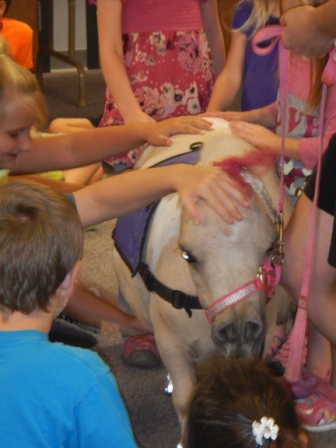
{"points": [[224, 258]]}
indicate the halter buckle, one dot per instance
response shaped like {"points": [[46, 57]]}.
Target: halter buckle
{"points": [[278, 255]]}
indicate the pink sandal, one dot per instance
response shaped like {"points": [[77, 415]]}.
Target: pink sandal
{"points": [[319, 410], [308, 383], [140, 350], [281, 355]]}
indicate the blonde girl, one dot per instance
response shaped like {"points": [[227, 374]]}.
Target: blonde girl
{"points": [[256, 76]]}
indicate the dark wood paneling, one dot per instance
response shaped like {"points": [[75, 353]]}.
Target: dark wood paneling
{"points": [[26, 11]]}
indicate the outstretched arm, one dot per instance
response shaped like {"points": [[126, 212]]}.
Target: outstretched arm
{"points": [[95, 145], [265, 139], [126, 193], [263, 116], [229, 81]]}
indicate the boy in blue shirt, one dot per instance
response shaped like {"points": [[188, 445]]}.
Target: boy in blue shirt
{"points": [[52, 395]]}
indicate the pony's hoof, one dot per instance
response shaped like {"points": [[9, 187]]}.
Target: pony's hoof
{"points": [[140, 351]]}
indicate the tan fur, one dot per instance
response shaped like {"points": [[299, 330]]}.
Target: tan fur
{"points": [[228, 256]]}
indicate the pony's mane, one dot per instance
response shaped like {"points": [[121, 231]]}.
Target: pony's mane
{"points": [[234, 165]]}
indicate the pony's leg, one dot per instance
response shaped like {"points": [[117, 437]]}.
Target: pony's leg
{"points": [[182, 374]]}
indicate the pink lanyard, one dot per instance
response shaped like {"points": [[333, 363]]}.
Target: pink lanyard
{"points": [[273, 33]]}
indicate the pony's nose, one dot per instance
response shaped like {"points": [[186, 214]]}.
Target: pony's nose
{"points": [[238, 334]]}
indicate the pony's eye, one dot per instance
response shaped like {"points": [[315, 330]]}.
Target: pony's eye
{"points": [[188, 257]]}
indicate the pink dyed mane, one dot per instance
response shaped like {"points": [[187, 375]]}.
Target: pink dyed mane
{"points": [[234, 165]]}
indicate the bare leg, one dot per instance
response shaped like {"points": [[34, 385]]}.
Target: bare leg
{"points": [[84, 175], [322, 294], [319, 353], [333, 373], [69, 125], [89, 309]]}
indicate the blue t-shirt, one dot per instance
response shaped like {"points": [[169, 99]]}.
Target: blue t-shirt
{"points": [[260, 77], [56, 396]]}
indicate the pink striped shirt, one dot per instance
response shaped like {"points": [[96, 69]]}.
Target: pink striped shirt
{"points": [[168, 15]]}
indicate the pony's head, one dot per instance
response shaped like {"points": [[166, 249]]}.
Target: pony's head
{"points": [[224, 258]]}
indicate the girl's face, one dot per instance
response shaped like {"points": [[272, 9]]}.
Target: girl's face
{"points": [[14, 136]]}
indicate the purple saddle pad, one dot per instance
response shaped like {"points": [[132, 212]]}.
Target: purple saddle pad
{"points": [[130, 232]]}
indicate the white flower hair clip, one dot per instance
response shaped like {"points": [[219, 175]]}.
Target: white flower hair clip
{"points": [[266, 429]]}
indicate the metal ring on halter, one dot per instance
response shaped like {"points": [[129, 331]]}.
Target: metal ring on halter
{"points": [[277, 258], [196, 146]]}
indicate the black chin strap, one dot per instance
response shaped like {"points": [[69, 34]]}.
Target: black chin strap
{"points": [[176, 298]]}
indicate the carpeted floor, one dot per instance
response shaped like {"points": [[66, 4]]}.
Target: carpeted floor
{"points": [[61, 89]]}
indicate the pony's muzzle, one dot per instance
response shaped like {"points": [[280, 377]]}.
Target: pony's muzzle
{"points": [[240, 339]]}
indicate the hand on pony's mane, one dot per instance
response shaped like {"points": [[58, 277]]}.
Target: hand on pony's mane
{"points": [[234, 165]]}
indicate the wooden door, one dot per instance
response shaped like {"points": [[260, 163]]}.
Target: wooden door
{"points": [[26, 11]]}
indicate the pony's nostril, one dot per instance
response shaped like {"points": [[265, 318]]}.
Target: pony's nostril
{"points": [[227, 333], [235, 334], [251, 331]]}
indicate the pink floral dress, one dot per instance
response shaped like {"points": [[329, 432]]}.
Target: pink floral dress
{"points": [[171, 71]]}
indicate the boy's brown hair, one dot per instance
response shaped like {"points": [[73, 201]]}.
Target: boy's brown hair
{"points": [[41, 238]]}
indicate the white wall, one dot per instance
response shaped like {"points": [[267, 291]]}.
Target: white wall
{"points": [[61, 8]]}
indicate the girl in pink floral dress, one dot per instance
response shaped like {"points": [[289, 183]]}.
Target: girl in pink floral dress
{"points": [[159, 59]]}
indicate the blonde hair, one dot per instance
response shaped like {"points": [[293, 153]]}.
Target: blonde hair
{"points": [[19, 86], [261, 10]]}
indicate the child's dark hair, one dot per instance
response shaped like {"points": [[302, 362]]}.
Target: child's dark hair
{"points": [[8, 3], [41, 239], [232, 397]]}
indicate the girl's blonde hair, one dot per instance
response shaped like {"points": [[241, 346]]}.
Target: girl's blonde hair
{"points": [[19, 86], [261, 10]]}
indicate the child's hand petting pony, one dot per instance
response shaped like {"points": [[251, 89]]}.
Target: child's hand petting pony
{"points": [[161, 131]]}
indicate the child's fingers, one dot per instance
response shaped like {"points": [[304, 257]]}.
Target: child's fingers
{"points": [[217, 114], [225, 202], [192, 211], [227, 187], [192, 125], [220, 194], [227, 211]]}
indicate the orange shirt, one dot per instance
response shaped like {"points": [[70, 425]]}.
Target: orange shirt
{"points": [[19, 37]]}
